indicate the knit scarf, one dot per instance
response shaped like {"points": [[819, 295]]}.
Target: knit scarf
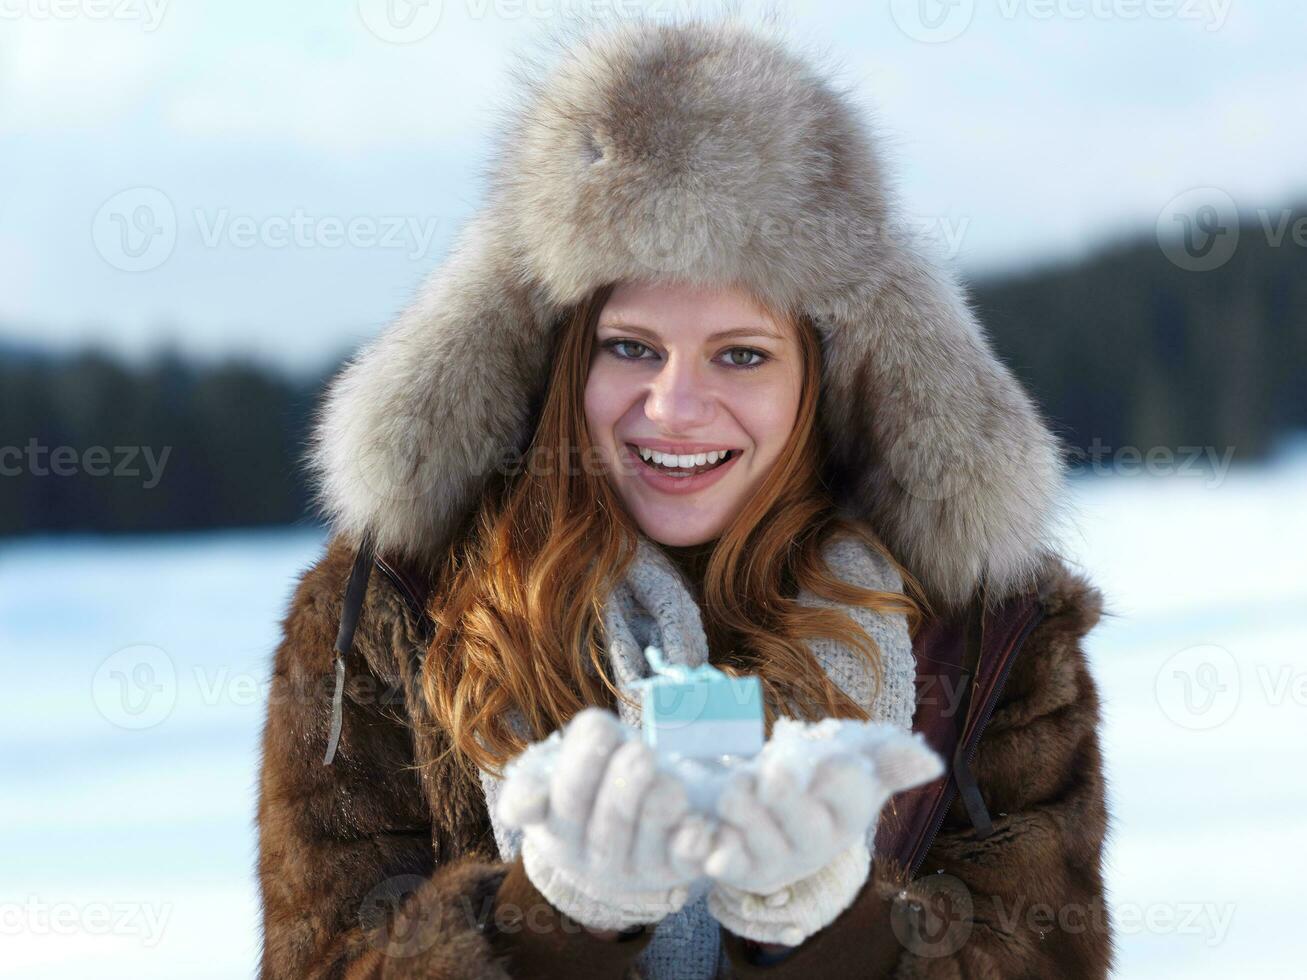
{"points": [[653, 605]]}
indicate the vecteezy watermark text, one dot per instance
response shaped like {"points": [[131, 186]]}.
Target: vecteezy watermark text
{"points": [[136, 230], [35, 916], [149, 13], [1188, 461], [35, 459], [937, 21], [303, 230]]}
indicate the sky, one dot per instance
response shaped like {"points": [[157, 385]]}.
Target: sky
{"points": [[275, 180]]}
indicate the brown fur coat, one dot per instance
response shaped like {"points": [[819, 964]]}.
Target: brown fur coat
{"points": [[383, 865]]}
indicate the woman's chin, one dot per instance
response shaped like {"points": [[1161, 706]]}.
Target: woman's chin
{"points": [[680, 526]]}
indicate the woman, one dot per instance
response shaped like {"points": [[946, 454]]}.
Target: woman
{"points": [[873, 546]]}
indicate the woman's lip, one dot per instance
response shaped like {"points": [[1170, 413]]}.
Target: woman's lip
{"points": [[678, 484]]}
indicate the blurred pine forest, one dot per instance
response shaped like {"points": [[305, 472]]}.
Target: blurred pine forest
{"points": [[236, 431], [1121, 349], [1135, 350]]}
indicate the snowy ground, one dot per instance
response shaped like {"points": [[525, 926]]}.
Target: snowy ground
{"points": [[135, 672]]}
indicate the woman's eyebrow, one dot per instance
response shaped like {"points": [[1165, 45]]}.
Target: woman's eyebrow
{"points": [[719, 335]]}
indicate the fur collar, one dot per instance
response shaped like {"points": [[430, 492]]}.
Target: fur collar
{"points": [[710, 151]]}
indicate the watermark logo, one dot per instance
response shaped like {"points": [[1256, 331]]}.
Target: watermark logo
{"points": [[400, 21], [1198, 688], [396, 464], [936, 919], [135, 687], [670, 231], [1199, 229], [931, 460], [392, 921], [933, 21], [136, 229]]}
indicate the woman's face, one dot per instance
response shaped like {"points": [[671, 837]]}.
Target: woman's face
{"points": [[686, 371]]}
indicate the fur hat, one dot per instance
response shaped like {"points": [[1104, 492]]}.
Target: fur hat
{"points": [[707, 151]]}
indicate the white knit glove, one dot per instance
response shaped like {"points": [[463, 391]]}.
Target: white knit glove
{"points": [[608, 837], [791, 852]]}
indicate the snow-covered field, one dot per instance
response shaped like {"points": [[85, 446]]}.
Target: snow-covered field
{"points": [[135, 672]]}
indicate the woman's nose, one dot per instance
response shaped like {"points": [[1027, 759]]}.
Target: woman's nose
{"points": [[678, 398]]}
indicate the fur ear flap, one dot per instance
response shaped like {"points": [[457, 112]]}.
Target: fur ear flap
{"points": [[934, 441], [415, 423]]}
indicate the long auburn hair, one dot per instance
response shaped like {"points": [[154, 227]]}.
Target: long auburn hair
{"points": [[519, 598]]}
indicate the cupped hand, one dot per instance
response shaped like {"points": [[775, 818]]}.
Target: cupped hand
{"points": [[811, 794], [593, 801]]}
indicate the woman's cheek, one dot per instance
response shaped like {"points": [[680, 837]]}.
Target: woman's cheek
{"points": [[600, 399], [768, 419]]}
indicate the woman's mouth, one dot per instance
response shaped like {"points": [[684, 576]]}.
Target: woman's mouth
{"points": [[666, 473]]}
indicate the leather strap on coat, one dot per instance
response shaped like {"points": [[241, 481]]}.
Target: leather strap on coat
{"points": [[355, 591]]}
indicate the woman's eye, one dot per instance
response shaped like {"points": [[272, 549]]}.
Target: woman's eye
{"points": [[614, 344], [748, 352]]}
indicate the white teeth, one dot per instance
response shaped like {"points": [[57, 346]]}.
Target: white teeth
{"points": [[687, 461]]}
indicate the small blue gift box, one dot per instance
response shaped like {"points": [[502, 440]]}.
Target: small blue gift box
{"points": [[700, 712]]}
